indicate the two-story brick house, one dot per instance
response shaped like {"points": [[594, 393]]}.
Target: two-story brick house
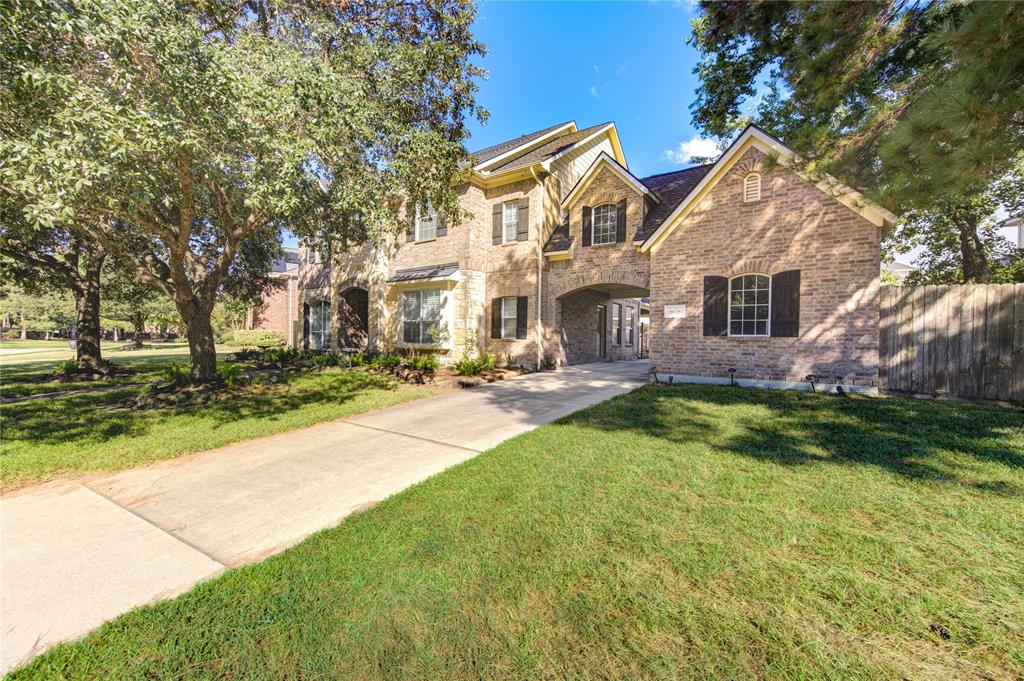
{"points": [[747, 265]]}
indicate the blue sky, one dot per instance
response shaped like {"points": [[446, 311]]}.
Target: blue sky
{"points": [[591, 62]]}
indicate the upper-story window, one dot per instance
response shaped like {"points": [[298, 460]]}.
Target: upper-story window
{"points": [[510, 221], [752, 187], [605, 220], [749, 303], [426, 223]]}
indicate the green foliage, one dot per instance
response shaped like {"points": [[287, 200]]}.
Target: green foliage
{"points": [[184, 136], [326, 359], [358, 360], [257, 338], [67, 367], [914, 103], [176, 375], [229, 373], [426, 362], [44, 311], [385, 361]]}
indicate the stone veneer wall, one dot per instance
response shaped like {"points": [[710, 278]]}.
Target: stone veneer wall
{"points": [[794, 226]]}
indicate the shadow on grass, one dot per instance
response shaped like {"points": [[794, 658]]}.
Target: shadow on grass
{"points": [[918, 439], [101, 417]]}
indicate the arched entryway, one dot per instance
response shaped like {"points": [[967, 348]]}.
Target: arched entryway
{"points": [[354, 318], [602, 322]]}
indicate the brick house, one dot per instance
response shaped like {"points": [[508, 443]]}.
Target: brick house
{"points": [[740, 264], [279, 309]]}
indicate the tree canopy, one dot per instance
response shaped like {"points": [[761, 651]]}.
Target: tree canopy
{"points": [[905, 99], [192, 134]]}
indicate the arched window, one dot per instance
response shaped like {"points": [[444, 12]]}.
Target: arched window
{"points": [[752, 187], [750, 299], [605, 221], [318, 323]]}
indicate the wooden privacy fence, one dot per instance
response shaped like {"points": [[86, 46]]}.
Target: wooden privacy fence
{"points": [[955, 341]]}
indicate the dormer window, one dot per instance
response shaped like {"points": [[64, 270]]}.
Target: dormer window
{"points": [[605, 221], [752, 188]]}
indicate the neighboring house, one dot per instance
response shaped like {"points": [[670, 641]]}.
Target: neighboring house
{"points": [[900, 270], [746, 265], [279, 310]]}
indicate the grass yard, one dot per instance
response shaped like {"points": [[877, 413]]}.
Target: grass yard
{"points": [[675, 532], [19, 370], [91, 432]]}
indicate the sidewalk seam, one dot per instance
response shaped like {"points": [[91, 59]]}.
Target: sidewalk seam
{"points": [[146, 520], [410, 435]]}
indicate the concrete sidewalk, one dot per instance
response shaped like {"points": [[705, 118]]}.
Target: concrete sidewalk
{"points": [[77, 554]]}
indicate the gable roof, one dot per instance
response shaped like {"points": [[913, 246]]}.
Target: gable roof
{"points": [[605, 161], [754, 137], [490, 153], [560, 240], [547, 151]]}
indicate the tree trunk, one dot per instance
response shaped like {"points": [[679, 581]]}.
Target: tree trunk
{"points": [[972, 252], [24, 329], [199, 331], [139, 324], [87, 308], [115, 334]]}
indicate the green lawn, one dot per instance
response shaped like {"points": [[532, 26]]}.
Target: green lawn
{"points": [[50, 437], [685, 532]]}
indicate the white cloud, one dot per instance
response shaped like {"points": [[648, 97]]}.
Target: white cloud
{"points": [[696, 146], [593, 91], [597, 70]]}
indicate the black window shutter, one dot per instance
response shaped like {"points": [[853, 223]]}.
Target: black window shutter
{"points": [[411, 236], [523, 219], [716, 306], [305, 325], [496, 318], [588, 224], [496, 224], [785, 312], [522, 311], [620, 224]]}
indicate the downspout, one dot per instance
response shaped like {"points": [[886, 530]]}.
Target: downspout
{"points": [[540, 270]]}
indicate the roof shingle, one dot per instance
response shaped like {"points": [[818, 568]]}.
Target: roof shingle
{"points": [[484, 155], [549, 149], [672, 188]]}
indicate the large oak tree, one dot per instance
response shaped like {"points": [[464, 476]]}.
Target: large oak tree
{"points": [[196, 132]]}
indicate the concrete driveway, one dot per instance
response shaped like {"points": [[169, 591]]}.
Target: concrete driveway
{"points": [[76, 554]]}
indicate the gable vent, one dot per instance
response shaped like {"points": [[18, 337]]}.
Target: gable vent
{"points": [[752, 187]]}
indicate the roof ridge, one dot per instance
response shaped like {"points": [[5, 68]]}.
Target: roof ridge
{"points": [[521, 137]]}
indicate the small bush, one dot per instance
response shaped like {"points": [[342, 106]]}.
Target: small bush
{"points": [[66, 367], [385, 361], [229, 373], [488, 361], [427, 362], [327, 359], [176, 375], [257, 338], [358, 360], [468, 366]]}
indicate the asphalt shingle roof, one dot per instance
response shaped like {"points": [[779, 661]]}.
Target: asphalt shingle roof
{"points": [[560, 240], [484, 155], [672, 188], [549, 149]]}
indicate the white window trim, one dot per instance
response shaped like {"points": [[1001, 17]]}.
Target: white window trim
{"points": [[419, 218], [617, 325], [593, 225], [442, 317], [505, 224], [767, 322], [515, 316], [631, 316], [315, 311], [749, 176]]}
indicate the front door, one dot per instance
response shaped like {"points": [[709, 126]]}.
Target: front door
{"points": [[602, 331]]}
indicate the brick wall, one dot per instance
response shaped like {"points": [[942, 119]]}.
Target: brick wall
{"points": [[794, 226], [279, 310]]}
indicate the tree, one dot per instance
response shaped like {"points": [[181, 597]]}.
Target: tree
{"points": [[196, 135], [127, 299], [39, 312], [919, 102], [43, 260]]}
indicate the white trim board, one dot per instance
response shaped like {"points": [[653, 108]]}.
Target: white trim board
{"points": [[616, 168]]}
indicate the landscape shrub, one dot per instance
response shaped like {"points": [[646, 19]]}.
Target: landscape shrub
{"points": [[176, 375], [427, 362], [257, 338], [229, 373], [68, 366], [385, 361]]}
